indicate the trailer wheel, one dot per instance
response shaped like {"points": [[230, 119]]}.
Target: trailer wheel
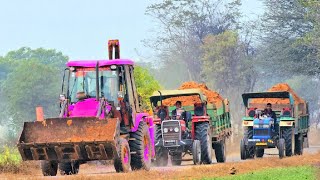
{"points": [[203, 134], [298, 149], [250, 149], [220, 151], [281, 148], [176, 159], [122, 161], [243, 150], [49, 168], [69, 168], [288, 136], [140, 145], [161, 152], [196, 152], [259, 152]]}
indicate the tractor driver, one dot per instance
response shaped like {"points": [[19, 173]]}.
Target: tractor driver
{"points": [[179, 112], [269, 112]]}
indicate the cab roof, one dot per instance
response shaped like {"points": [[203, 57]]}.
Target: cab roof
{"points": [[93, 63]]}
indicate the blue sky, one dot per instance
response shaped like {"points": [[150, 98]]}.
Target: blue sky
{"points": [[80, 29]]}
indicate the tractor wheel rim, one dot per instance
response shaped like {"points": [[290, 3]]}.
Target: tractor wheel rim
{"points": [[146, 149], [126, 156]]}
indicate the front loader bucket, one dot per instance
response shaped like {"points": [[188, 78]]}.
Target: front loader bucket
{"points": [[65, 139]]}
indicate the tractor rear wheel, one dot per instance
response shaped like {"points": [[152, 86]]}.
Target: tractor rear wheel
{"points": [[69, 168], [288, 136], [141, 148], [196, 152], [298, 149], [176, 159], [49, 168], [259, 152], [161, 152], [281, 148], [243, 150], [220, 151], [122, 161], [203, 134]]}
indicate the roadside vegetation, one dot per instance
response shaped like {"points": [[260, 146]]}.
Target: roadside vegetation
{"points": [[288, 173]]}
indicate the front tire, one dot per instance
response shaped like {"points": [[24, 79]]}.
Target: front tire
{"points": [[176, 159], [203, 134], [161, 152], [49, 168], [122, 161], [259, 152], [141, 148], [196, 152]]}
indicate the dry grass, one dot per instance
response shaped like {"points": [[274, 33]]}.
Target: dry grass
{"points": [[191, 172]]}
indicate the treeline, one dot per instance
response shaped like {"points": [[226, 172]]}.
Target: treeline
{"points": [[208, 41]]}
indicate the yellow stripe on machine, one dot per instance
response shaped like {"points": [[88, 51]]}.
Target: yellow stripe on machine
{"points": [[247, 123], [286, 123], [261, 144]]}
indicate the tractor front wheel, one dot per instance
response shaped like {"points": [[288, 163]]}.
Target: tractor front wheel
{"points": [[161, 152], [259, 152], [196, 152], [176, 159], [122, 161]]}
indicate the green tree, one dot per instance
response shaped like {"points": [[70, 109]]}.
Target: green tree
{"points": [[146, 85]]}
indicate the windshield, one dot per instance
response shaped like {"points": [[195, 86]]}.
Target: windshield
{"points": [[84, 80]]}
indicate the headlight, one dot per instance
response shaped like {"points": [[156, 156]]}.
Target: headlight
{"points": [[176, 129], [165, 130], [265, 126], [256, 126]]}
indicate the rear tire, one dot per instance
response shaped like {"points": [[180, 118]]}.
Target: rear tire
{"points": [[122, 162], [281, 148], [203, 134], [220, 151], [161, 152], [259, 152], [196, 152], [69, 168], [176, 159], [49, 168], [243, 150], [289, 140], [141, 147]]}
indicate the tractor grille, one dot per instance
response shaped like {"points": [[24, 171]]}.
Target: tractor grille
{"points": [[261, 132], [171, 138]]}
